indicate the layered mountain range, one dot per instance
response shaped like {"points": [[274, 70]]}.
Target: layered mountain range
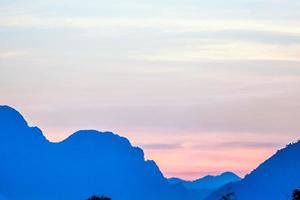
{"points": [[207, 184], [90, 162]]}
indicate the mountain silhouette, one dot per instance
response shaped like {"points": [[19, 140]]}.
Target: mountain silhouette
{"points": [[2, 197], [86, 163], [91, 163], [207, 184], [276, 178]]}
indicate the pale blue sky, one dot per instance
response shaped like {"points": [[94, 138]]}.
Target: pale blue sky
{"points": [[166, 74]]}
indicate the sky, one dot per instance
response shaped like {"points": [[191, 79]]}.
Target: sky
{"points": [[202, 86]]}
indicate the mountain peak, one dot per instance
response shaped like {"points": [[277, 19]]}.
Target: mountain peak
{"points": [[225, 175], [88, 162], [83, 135], [11, 118], [275, 178], [208, 182], [105, 140], [229, 174]]}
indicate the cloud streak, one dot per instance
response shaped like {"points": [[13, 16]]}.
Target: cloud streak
{"points": [[161, 146], [180, 25], [254, 145]]}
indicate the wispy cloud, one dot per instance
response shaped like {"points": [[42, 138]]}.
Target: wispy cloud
{"points": [[243, 144], [161, 146], [180, 25], [239, 145], [177, 39], [13, 54], [223, 51]]}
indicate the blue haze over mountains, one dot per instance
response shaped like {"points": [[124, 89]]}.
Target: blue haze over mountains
{"points": [[95, 163]]}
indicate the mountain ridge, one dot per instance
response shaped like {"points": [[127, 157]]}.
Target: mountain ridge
{"points": [[90, 162], [87, 162], [208, 181], [275, 178], [206, 184]]}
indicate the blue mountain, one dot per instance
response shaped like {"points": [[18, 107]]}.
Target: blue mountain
{"points": [[207, 184], [86, 163], [276, 178], [2, 197], [102, 163]]}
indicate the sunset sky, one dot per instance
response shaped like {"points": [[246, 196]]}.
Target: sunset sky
{"points": [[202, 86]]}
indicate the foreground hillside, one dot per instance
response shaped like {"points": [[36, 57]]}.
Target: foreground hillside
{"points": [[275, 179], [86, 163]]}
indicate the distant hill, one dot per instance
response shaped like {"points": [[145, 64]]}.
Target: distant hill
{"points": [[207, 184], [87, 163], [275, 179]]}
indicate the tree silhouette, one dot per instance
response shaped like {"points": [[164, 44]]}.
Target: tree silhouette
{"points": [[98, 198], [296, 194], [228, 196]]}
